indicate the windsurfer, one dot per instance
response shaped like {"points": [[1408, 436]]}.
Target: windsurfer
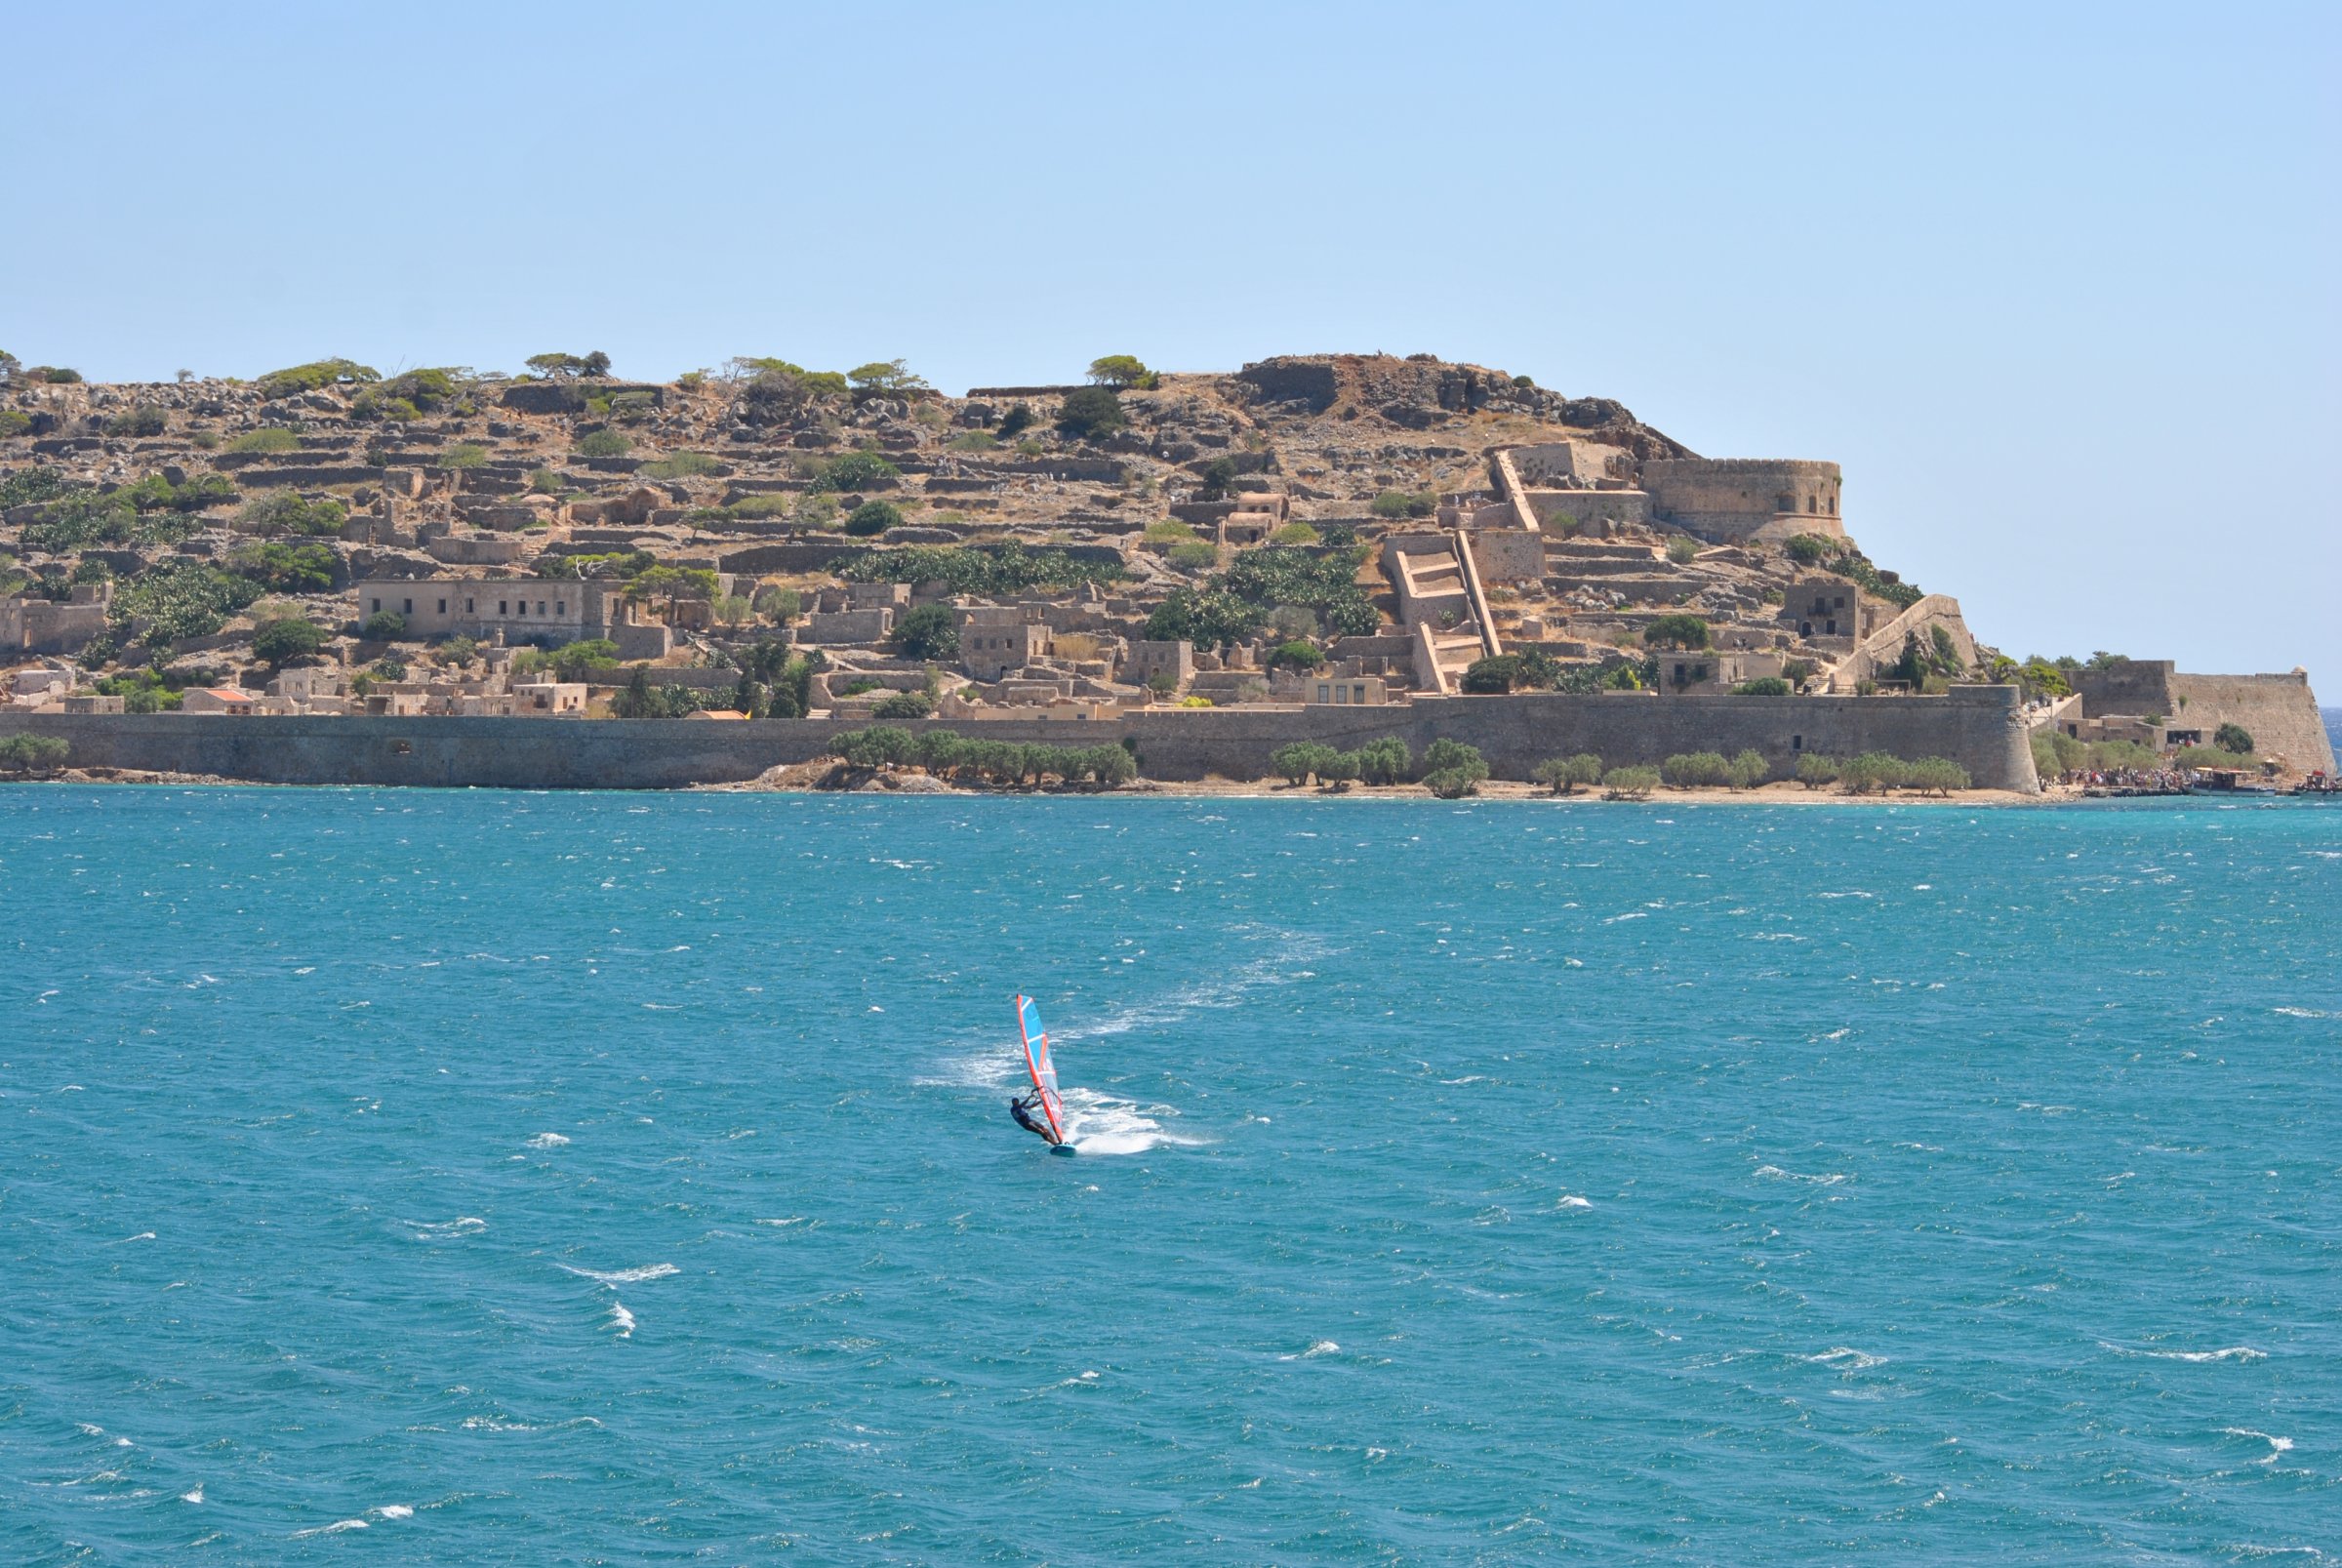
{"points": [[1022, 1107]]}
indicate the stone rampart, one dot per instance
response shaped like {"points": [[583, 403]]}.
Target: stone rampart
{"points": [[1734, 498], [1978, 726], [2279, 712]]}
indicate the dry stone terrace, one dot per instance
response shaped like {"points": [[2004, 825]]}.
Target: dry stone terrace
{"points": [[1317, 523]]}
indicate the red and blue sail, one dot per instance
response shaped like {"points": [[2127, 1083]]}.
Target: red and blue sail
{"points": [[1037, 1060]]}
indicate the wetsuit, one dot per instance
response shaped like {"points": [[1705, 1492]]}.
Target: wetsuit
{"points": [[1021, 1110]]}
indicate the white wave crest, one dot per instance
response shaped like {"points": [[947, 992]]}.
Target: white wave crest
{"points": [[196, 1496], [1570, 1200], [462, 1226], [2299, 1012], [1775, 1172], [1102, 1124], [2276, 1445], [622, 1320], [626, 1276], [1317, 1348], [396, 1511], [2233, 1352], [1845, 1359], [334, 1529], [548, 1140]]}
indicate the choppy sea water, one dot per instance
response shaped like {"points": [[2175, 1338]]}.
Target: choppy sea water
{"points": [[459, 1177]]}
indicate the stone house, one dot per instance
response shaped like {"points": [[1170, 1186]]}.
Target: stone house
{"points": [[229, 699], [35, 625], [999, 639], [514, 610]]}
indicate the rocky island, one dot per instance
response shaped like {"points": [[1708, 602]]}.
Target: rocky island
{"points": [[327, 573]]}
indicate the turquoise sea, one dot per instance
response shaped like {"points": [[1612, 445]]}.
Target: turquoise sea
{"points": [[494, 1178]]}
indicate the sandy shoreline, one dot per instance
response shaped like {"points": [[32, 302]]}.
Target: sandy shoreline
{"points": [[1780, 793]]}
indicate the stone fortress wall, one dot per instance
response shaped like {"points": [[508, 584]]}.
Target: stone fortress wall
{"points": [[2279, 712], [1979, 727], [1726, 499]]}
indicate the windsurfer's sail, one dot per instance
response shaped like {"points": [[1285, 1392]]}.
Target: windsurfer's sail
{"points": [[1036, 1060]]}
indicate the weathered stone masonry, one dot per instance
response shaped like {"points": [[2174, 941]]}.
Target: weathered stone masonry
{"points": [[1978, 726]]}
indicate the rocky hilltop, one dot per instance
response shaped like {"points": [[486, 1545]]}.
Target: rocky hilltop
{"points": [[770, 538]]}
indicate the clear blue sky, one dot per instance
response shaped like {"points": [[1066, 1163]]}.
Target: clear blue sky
{"points": [[2056, 283]]}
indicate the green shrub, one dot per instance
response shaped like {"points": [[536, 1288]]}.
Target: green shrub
{"points": [[1630, 784], [1935, 776], [1748, 769], [1296, 533], [14, 422], [856, 471], [680, 465], [2232, 738], [904, 705], [283, 640], [1696, 769], [1018, 418], [1205, 617], [1493, 676], [463, 455], [1676, 631], [1395, 503], [178, 599], [384, 625], [1856, 567], [286, 568], [1815, 770], [946, 753], [1565, 774], [1872, 770], [1170, 531], [873, 517], [778, 605], [53, 375], [1682, 550], [568, 366], [1217, 475], [604, 443], [1296, 655], [1385, 761], [267, 438], [1193, 555], [1299, 760], [1454, 783], [2209, 756], [1121, 370], [1452, 769], [886, 377], [989, 570], [1811, 549], [31, 753], [314, 376], [138, 421], [1089, 412], [1763, 686], [930, 633], [973, 441]]}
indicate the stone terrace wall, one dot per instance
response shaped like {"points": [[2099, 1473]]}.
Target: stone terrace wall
{"points": [[1977, 726]]}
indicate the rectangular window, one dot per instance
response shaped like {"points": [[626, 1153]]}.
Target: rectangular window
{"points": [[468, 606], [443, 607], [410, 606], [1797, 743], [559, 608], [378, 604], [1358, 695], [1322, 694], [540, 607]]}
